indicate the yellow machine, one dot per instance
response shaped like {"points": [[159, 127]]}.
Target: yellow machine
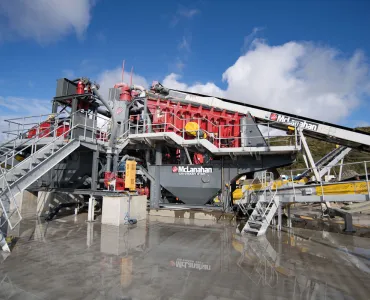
{"points": [[238, 193], [130, 178], [192, 128]]}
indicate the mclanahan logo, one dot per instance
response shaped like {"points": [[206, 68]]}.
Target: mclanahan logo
{"points": [[187, 170], [293, 122]]}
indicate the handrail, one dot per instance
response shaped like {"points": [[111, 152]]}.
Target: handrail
{"points": [[216, 137], [14, 202], [28, 130], [37, 135], [203, 119], [36, 140]]}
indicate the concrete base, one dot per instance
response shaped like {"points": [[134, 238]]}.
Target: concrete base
{"points": [[26, 202], [191, 214], [115, 209]]}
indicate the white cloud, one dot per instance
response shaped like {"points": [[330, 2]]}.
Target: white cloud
{"points": [[109, 78], [45, 20], [188, 13], [185, 43], [68, 73], [183, 13], [250, 38], [299, 78], [180, 65]]}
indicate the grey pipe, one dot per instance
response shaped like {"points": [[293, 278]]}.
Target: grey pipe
{"points": [[146, 111], [112, 138], [101, 110], [126, 157], [114, 125]]}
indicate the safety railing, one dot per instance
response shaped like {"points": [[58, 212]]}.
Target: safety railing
{"points": [[64, 131], [25, 132], [25, 127], [263, 184], [12, 200], [246, 200], [358, 177], [358, 183], [224, 137], [18, 126]]}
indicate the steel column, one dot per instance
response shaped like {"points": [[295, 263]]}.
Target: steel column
{"points": [[279, 217], [155, 194], [289, 217], [312, 163], [94, 185], [90, 214], [94, 171]]}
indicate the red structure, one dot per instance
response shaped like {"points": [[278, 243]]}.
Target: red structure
{"points": [[222, 125], [119, 183]]}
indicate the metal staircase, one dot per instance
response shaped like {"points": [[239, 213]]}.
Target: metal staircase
{"points": [[265, 206], [43, 154]]}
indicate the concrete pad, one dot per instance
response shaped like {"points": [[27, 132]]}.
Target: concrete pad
{"points": [[157, 260], [116, 209], [190, 214]]}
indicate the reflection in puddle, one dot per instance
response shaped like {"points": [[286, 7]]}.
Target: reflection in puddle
{"points": [[181, 260]]}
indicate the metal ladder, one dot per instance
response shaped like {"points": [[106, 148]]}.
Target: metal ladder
{"points": [[265, 207]]}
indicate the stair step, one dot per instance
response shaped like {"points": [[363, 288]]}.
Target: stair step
{"points": [[251, 229], [255, 222], [18, 175]]}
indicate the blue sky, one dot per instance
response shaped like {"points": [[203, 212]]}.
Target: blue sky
{"points": [[307, 57]]}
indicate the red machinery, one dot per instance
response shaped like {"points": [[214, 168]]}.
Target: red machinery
{"points": [[173, 116], [44, 130], [118, 181]]}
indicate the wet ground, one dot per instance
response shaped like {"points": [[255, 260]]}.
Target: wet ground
{"points": [[165, 258]]}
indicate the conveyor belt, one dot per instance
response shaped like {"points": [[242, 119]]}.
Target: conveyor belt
{"points": [[321, 130]]}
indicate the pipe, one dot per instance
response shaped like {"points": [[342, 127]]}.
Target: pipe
{"points": [[103, 111], [146, 111], [137, 87], [56, 210], [147, 157], [94, 89], [126, 157], [119, 85]]}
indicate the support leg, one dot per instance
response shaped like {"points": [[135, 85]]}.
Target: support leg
{"points": [[90, 215], [279, 217], [289, 217], [312, 163], [155, 190]]}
